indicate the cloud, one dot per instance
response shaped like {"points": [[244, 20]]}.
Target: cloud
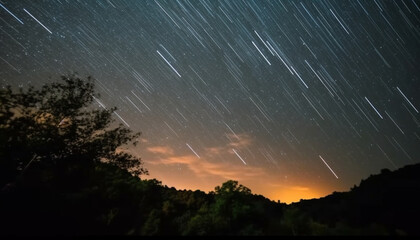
{"points": [[214, 150], [216, 163], [236, 141], [239, 141], [202, 168], [161, 150]]}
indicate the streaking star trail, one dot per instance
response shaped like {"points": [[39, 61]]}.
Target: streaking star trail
{"points": [[326, 164], [238, 156]]}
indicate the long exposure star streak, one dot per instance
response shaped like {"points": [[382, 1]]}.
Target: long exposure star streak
{"points": [[277, 84]]}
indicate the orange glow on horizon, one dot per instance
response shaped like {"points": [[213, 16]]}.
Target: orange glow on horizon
{"points": [[293, 195], [184, 170], [284, 194]]}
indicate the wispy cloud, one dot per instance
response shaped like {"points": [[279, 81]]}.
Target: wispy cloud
{"points": [[203, 168], [239, 141], [209, 164], [162, 150], [215, 150], [236, 141]]}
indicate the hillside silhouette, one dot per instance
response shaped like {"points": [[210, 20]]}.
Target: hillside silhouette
{"points": [[386, 203], [62, 173]]}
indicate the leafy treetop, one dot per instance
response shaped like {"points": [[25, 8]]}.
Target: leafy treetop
{"points": [[57, 126]]}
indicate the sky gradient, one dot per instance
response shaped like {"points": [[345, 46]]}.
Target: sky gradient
{"points": [[295, 99]]}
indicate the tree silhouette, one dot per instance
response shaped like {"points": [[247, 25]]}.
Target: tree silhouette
{"points": [[57, 127], [232, 187]]}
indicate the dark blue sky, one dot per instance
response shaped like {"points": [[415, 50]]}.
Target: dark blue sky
{"points": [[294, 99]]}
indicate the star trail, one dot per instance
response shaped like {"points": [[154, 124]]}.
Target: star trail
{"points": [[255, 91]]}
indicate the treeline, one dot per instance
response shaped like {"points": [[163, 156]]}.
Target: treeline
{"points": [[112, 201], [109, 200]]}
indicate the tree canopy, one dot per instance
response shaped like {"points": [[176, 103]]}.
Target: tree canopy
{"points": [[57, 125], [231, 187]]}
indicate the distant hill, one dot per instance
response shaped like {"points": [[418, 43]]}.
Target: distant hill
{"points": [[387, 203], [108, 200]]}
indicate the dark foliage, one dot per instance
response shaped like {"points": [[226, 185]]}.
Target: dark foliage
{"points": [[382, 204], [54, 128], [60, 174]]}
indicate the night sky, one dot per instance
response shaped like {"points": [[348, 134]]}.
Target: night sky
{"points": [[294, 99]]}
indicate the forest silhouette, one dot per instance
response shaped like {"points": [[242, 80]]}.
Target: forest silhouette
{"points": [[62, 172]]}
